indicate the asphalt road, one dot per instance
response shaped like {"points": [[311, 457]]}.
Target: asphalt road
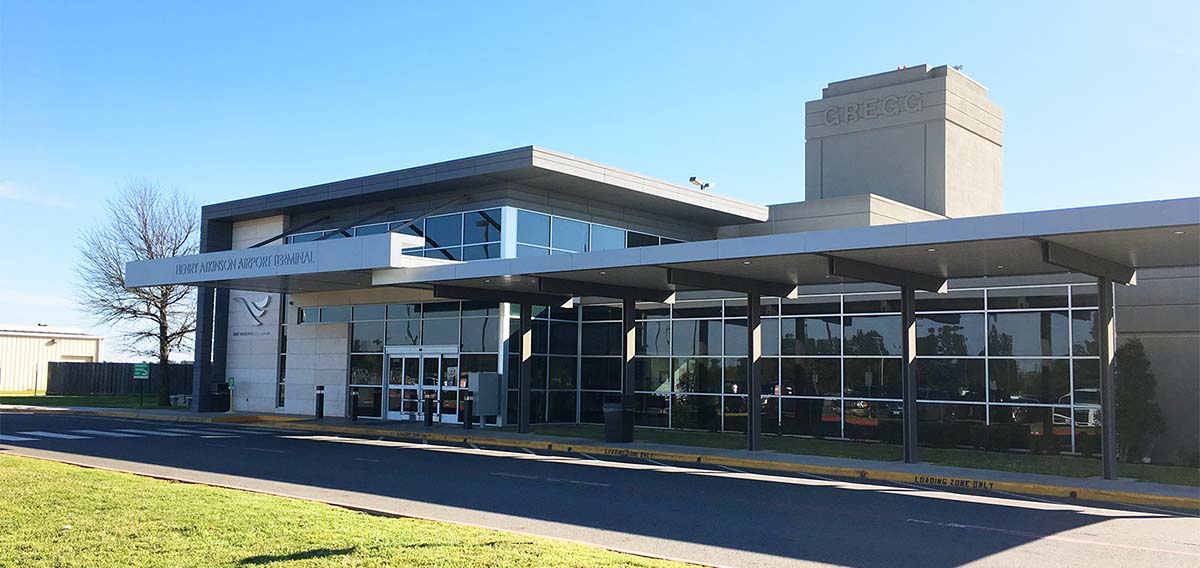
{"points": [[717, 516]]}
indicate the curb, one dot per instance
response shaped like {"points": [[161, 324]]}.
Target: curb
{"points": [[979, 483]]}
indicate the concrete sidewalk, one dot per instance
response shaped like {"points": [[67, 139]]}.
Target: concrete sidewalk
{"points": [[1088, 489]]}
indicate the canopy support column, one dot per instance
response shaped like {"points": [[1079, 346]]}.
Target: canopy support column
{"points": [[525, 369], [628, 350], [754, 371], [1106, 334], [908, 372]]}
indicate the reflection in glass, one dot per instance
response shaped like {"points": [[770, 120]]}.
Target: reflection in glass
{"points": [[480, 335], [811, 377], [366, 369], [607, 238], [950, 334], [1036, 381], [533, 228], [698, 375], [873, 335], [696, 412], [600, 373], [443, 231], [367, 337], [873, 378], [1028, 334], [601, 338], [481, 226], [652, 374], [950, 379], [810, 417], [1027, 298], [567, 234], [696, 337], [1084, 324], [811, 336], [653, 338]]}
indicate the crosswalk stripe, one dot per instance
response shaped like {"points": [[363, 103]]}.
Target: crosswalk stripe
{"points": [[233, 431], [54, 435], [107, 433], [151, 432], [5, 438]]}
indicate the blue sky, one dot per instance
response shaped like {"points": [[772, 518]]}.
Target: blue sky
{"points": [[232, 99]]}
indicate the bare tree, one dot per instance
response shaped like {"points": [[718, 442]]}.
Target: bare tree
{"points": [[144, 222]]}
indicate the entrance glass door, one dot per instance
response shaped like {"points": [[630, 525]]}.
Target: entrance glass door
{"points": [[416, 379]]}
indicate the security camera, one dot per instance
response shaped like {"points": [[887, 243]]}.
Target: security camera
{"points": [[699, 183]]}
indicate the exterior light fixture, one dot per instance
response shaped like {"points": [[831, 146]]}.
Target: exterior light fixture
{"points": [[1179, 232], [746, 262], [699, 182], [1001, 266], [931, 250], [603, 273]]}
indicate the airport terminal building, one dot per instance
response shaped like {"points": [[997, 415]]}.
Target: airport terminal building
{"points": [[896, 303]]}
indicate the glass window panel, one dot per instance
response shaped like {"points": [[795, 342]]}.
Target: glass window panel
{"points": [[770, 376], [1087, 381], [950, 379], [537, 406], [811, 305], [811, 336], [439, 332], [737, 308], [607, 238], [564, 338], [648, 310], [370, 402], [416, 229], [1028, 334], [871, 303], [696, 412], [736, 337], [667, 241], [568, 234], [305, 237], [443, 230], [600, 373], [873, 420], [951, 425], [700, 309], [480, 309], [375, 312], [561, 313], [533, 228], [635, 239], [1084, 296], [810, 417], [811, 377], [652, 410], [601, 313], [375, 229], [541, 336], [951, 334], [481, 226], [403, 311], [601, 338], [366, 369], [539, 367], [453, 253], [652, 374], [873, 335], [696, 337], [310, 315], [770, 336], [591, 407], [735, 413], [480, 252], [872, 378], [696, 374], [480, 335], [335, 314], [1030, 428], [478, 364], [1084, 327], [952, 301], [334, 234], [441, 310], [562, 372], [404, 332], [1027, 298], [367, 337], [1037, 381], [653, 338], [526, 250], [561, 407]]}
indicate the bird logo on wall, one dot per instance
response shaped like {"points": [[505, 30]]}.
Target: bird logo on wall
{"points": [[257, 309]]}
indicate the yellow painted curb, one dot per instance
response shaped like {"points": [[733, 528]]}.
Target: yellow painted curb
{"points": [[980, 483], [972, 483]]}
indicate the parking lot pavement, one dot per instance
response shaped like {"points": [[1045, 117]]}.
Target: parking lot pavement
{"points": [[707, 514]]}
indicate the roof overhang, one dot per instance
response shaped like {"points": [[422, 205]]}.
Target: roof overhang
{"points": [[536, 168], [1137, 235], [317, 266]]}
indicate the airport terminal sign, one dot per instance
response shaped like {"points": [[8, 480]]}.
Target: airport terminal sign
{"points": [[254, 262]]}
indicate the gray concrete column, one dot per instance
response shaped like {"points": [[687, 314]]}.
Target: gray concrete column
{"points": [[525, 369], [202, 366], [908, 373], [628, 349], [754, 371], [1106, 333]]}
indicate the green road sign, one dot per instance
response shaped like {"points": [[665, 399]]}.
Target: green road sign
{"points": [[229, 382], [141, 371]]}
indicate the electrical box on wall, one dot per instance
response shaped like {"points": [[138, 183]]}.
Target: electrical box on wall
{"points": [[488, 393]]}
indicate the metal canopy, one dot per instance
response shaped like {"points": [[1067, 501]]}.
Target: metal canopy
{"points": [[1137, 235]]}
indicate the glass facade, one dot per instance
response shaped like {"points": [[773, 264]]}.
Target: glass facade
{"points": [[470, 235], [541, 234]]}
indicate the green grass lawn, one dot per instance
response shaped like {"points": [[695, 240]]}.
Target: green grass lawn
{"points": [[54, 514], [1065, 465], [104, 401]]}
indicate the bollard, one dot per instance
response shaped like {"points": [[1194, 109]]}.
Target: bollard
{"points": [[354, 405], [430, 402], [320, 413], [468, 409]]}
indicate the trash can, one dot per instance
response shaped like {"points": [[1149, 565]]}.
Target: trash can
{"points": [[218, 397], [618, 423]]}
